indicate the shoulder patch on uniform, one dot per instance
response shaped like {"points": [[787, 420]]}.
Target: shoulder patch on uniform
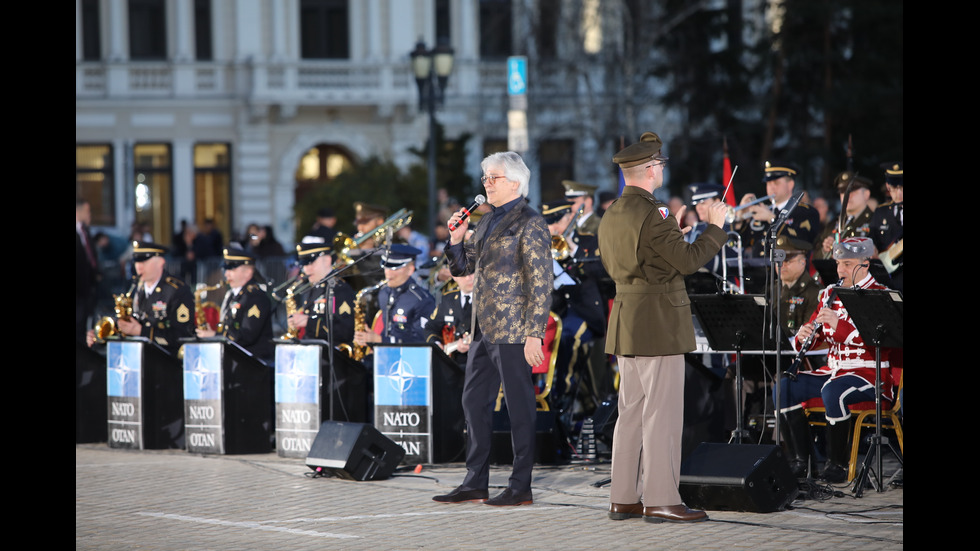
{"points": [[254, 312], [664, 212], [344, 308]]}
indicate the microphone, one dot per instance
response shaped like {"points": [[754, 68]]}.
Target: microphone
{"points": [[477, 201]]}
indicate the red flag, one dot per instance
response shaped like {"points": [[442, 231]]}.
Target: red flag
{"points": [[727, 177]]}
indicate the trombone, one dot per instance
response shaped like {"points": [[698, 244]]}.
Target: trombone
{"points": [[343, 243]]}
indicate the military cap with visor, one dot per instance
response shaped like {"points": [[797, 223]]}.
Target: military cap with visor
{"points": [[234, 258], [145, 250], [894, 172], [578, 189], [553, 211], [778, 169], [398, 256], [644, 151], [311, 248]]}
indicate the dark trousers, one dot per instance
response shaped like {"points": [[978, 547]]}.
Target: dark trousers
{"points": [[487, 366]]}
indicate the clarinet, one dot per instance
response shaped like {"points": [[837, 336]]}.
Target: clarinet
{"points": [[808, 342]]}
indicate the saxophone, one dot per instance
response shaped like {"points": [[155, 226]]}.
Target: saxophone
{"points": [[106, 326], [292, 307], [358, 352], [199, 306]]}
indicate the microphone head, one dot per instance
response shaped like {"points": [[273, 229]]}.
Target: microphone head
{"points": [[479, 199]]}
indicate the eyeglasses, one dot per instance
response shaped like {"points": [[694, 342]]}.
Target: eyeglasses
{"points": [[658, 163], [487, 178]]}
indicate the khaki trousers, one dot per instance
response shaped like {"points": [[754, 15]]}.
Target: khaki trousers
{"points": [[646, 450]]}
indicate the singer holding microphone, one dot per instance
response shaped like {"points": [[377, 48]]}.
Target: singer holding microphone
{"points": [[510, 253], [848, 377]]}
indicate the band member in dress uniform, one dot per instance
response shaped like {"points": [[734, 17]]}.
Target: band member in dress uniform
{"points": [[328, 303], [404, 304], [888, 226], [577, 301], [850, 373], [800, 290], [163, 305], [856, 219], [582, 197], [246, 311], [367, 218], [450, 322], [802, 223]]}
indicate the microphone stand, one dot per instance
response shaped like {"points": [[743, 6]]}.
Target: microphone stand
{"points": [[330, 280], [776, 258]]}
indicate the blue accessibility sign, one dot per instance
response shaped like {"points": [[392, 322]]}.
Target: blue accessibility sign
{"points": [[517, 75]]}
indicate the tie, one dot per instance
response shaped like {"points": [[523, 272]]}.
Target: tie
{"points": [[88, 247]]}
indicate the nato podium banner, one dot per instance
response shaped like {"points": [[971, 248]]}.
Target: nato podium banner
{"points": [[309, 391], [227, 398], [417, 402], [144, 395]]}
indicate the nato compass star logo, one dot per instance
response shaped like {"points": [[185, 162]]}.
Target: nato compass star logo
{"points": [[297, 374], [202, 367], [124, 371], [401, 378]]}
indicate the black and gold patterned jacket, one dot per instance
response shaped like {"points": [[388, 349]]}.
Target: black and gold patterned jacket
{"points": [[513, 275]]}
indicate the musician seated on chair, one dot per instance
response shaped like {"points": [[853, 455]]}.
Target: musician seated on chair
{"points": [[246, 309], [449, 324], [848, 377], [328, 305], [404, 304]]}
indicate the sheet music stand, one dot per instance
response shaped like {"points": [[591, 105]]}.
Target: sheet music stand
{"points": [[732, 322], [879, 316]]}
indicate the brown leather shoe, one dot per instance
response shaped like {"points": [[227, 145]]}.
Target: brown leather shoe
{"points": [[623, 511], [673, 513]]}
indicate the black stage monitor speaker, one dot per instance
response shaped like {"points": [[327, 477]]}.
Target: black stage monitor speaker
{"points": [[737, 477], [355, 451]]}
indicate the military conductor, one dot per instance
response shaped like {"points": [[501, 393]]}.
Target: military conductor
{"points": [[510, 253], [650, 329]]}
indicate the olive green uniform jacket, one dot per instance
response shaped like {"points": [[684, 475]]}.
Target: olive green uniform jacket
{"points": [[644, 252]]}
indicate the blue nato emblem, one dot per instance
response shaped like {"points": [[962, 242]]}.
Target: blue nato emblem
{"points": [[123, 359], [202, 371], [401, 376], [297, 374]]}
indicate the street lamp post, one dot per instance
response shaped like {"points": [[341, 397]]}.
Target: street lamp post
{"points": [[431, 68]]}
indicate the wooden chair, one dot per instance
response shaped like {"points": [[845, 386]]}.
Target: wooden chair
{"points": [[864, 418]]}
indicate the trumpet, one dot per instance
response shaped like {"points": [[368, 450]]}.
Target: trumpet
{"points": [[343, 243], [560, 249], [107, 326], [733, 212]]}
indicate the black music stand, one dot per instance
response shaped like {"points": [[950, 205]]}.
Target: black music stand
{"points": [[879, 316], [732, 322]]}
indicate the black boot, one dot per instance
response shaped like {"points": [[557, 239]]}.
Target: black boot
{"points": [[795, 429], [835, 471]]}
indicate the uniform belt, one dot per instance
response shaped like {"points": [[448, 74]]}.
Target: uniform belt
{"points": [[650, 288]]}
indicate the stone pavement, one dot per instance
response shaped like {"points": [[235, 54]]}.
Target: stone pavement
{"points": [[168, 500]]}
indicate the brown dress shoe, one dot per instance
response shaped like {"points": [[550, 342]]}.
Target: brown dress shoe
{"points": [[673, 513], [623, 511]]}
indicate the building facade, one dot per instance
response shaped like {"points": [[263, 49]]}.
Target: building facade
{"points": [[187, 110]]}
